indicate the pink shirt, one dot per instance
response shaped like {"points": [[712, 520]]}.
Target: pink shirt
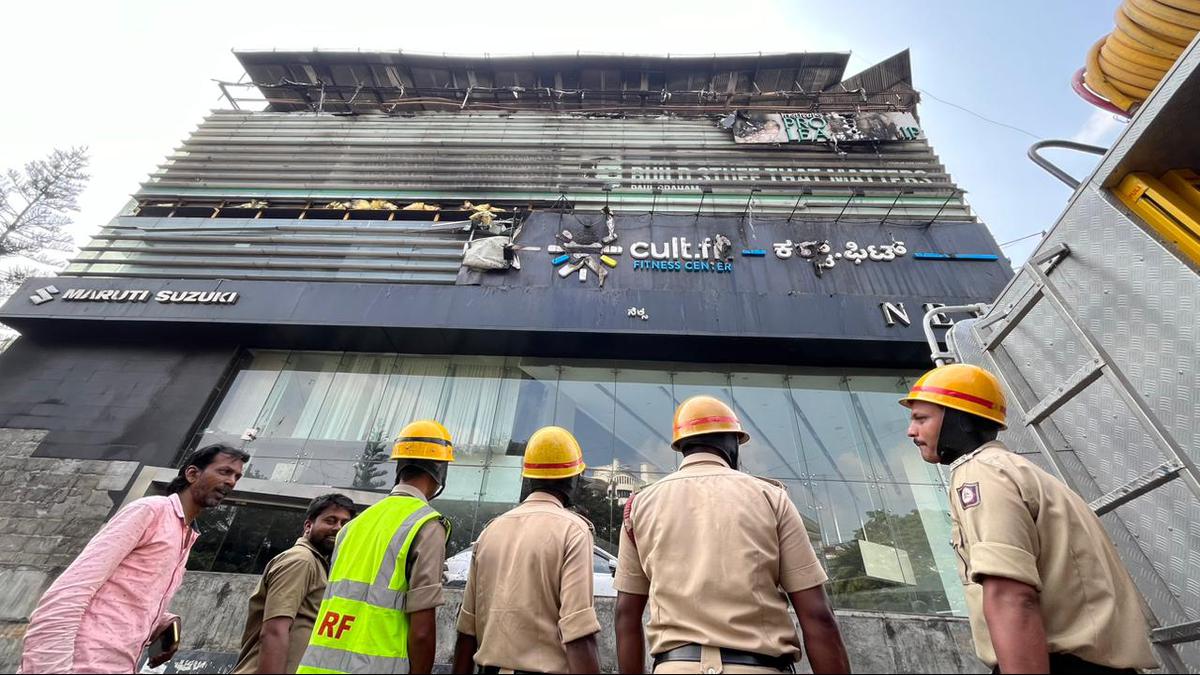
{"points": [[103, 610]]}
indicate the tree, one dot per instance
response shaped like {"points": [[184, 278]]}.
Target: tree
{"points": [[34, 204], [855, 590], [368, 469]]}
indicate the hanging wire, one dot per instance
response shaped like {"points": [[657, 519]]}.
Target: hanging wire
{"points": [[1020, 239]]}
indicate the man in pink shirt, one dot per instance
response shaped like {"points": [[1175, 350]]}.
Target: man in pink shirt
{"points": [[101, 612]]}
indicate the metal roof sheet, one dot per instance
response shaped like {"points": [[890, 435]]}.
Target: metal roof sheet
{"points": [[356, 80]]}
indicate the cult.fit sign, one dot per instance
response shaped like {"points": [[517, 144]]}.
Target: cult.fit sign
{"points": [[710, 254]]}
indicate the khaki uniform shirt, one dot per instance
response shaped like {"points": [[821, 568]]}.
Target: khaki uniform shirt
{"points": [[1010, 519], [291, 586], [529, 589], [716, 549], [426, 558]]}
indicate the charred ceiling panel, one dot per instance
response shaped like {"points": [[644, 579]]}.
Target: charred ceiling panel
{"points": [[423, 82], [637, 164]]}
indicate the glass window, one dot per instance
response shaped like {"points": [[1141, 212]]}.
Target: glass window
{"points": [[242, 538], [762, 403], [586, 406], [881, 430], [688, 383], [536, 401], [344, 447], [288, 415], [867, 568], [645, 406], [413, 391], [921, 525], [876, 514], [821, 408], [251, 386], [240, 408], [479, 408]]}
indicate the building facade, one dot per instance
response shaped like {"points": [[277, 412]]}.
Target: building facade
{"points": [[506, 243]]}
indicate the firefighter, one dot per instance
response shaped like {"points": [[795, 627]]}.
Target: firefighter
{"points": [[1045, 589], [718, 554], [528, 605], [385, 583]]}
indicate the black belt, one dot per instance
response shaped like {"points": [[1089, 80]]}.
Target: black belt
{"points": [[494, 670], [1069, 664], [730, 657]]}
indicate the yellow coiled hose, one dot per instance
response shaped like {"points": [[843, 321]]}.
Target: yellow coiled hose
{"points": [[1125, 66]]}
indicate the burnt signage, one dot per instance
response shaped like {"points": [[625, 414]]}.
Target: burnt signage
{"points": [[863, 127]]}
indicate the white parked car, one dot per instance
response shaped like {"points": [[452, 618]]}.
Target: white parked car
{"points": [[604, 566]]}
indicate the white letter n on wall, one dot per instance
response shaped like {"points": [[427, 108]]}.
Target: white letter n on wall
{"points": [[895, 312]]}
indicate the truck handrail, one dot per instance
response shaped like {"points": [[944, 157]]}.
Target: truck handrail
{"points": [[942, 357]]}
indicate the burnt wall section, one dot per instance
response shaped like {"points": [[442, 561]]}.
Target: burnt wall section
{"points": [[113, 401]]}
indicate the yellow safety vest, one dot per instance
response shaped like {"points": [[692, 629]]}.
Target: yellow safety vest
{"points": [[362, 626]]}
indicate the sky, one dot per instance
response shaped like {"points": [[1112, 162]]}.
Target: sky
{"points": [[132, 79]]}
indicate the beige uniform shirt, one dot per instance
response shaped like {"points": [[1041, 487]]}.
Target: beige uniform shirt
{"points": [[529, 589], [291, 586], [716, 549], [426, 558], [1013, 520]]}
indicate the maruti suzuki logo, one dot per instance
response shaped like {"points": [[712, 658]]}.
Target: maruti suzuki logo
{"points": [[42, 295]]}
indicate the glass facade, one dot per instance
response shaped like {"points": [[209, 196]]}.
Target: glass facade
{"points": [[875, 511]]}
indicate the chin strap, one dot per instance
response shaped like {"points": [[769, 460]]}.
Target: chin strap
{"points": [[725, 445], [962, 433]]}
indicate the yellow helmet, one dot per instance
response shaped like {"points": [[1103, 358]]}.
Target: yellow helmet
{"points": [[964, 387], [424, 439], [552, 452], [705, 415]]}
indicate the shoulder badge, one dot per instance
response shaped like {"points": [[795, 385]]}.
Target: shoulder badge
{"points": [[968, 495]]}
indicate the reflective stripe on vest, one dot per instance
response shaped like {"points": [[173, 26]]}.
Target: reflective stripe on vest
{"points": [[361, 626], [325, 659]]}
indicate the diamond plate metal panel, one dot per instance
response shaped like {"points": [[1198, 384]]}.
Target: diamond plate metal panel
{"points": [[1166, 523], [1106, 437], [1141, 303], [1044, 352]]}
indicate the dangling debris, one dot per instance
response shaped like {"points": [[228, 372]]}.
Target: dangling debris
{"points": [[252, 204], [490, 253]]}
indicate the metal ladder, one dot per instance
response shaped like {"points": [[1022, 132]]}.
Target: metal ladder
{"points": [[990, 332]]}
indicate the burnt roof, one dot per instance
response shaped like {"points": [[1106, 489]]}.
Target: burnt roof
{"points": [[357, 81]]}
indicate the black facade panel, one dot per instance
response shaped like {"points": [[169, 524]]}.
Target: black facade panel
{"points": [[763, 309], [102, 400]]}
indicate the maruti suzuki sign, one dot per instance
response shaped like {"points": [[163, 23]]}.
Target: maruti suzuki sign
{"points": [[112, 295]]}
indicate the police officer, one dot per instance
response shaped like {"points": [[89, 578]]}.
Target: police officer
{"points": [[1045, 589], [718, 554], [385, 583], [528, 602]]}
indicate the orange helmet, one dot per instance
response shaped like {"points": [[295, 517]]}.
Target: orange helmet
{"points": [[705, 415], [961, 386]]}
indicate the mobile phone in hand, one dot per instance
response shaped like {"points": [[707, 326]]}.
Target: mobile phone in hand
{"points": [[166, 641]]}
